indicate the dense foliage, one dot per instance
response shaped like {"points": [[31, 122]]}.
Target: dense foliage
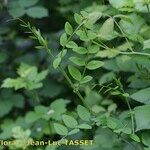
{"points": [[75, 69]]}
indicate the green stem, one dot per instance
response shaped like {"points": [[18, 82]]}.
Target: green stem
{"points": [[147, 5], [134, 53], [131, 115], [124, 53], [36, 96], [123, 35], [52, 56], [100, 45]]}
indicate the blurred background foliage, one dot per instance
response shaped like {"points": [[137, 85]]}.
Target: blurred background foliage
{"points": [[22, 110]]}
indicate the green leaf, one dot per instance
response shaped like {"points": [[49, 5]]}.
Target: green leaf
{"points": [[74, 72], [41, 76], [27, 3], [80, 50], [146, 44], [84, 126], [94, 64], [17, 12], [83, 113], [63, 39], [71, 44], [78, 61], [133, 29], [69, 121], [124, 17], [107, 78], [86, 79], [111, 123], [126, 130], [60, 129], [29, 78], [78, 18], [135, 138], [74, 131], [94, 16], [68, 28], [146, 138], [83, 35], [106, 29], [16, 83], [142, 117], [110, 53], [59, 108], [31, 117], [56, 62], [62, 53], [142, 96], [37, 12], [123, 3], [93, 49]]}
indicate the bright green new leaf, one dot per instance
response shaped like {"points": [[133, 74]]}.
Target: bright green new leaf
{"points": [[68, 28], [83, 113], [29, 78], [74, 72], [94, 64], [70, 121], [60, 129]]}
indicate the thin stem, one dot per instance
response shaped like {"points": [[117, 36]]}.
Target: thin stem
{"points": [[134, 53], [36, 96], [44, 44], [131, 114], [147, 5], [123, 34], [100, 45]]}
